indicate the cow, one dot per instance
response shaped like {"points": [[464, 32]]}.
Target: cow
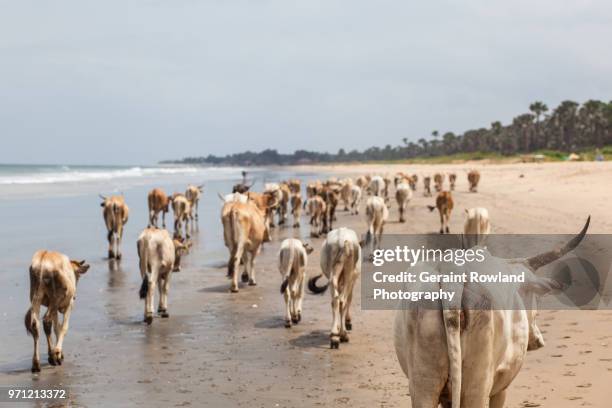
{"points": [[331, 195], [444, 204], [244, 231], [476, 227], [438, 181], [181, 207], [464, 356], [427, 186], [452, 178], [293, 257], [377, 186], [377, 214], [403, 194], [296, 209], [363, 182], [345, 192], [415, 180], [283, 205], [295, 186], [388, 181], [313, 188], [193, 194], [317, 210], [473, 179], [158, 202], [159, 256], [341, 265], [53, 282], [116, 213], [355, 199], [267, 203]]}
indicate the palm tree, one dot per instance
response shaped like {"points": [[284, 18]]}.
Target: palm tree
{"points": [[538, 109]]}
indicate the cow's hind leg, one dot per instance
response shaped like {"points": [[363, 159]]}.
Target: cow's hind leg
{"points": [[288, 306], [111, 249], [347, 320], [164, 288], [48, 319], [498, 400], [335, 305], [60, 333], [31, 323], [250, 266]]}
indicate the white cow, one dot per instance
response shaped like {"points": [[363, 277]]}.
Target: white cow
{"points": [[355, 198], [293, 258], [403, 194], [159, 256], [467, 356], [476, 227], [377, 186], [341, 265], [377, 214]]}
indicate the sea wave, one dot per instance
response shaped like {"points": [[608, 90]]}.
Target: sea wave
{"points": [[68, 174]]}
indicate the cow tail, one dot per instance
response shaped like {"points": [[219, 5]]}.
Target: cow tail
{"points": [[452, 327], [144, 266], [31, 316], [286, 262], [312, 285]]}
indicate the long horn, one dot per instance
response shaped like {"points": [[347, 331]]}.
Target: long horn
{"points": [[221, 197], [539, 261], [102, 197]]}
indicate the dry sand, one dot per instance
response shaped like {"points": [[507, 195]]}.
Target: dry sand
{"points": [[222, 349]]}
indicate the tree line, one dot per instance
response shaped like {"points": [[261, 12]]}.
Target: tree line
{"points": [[570, 127]]}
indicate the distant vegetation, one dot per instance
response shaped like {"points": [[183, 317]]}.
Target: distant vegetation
{"points": [[570, 127]]}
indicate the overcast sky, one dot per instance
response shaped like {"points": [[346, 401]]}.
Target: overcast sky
{"points": [[134, 82]]}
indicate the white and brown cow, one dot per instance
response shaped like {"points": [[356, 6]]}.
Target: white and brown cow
{"points": [[427, 186], [317, 209], [181, 207], [473, 179], [158, 202], [193, 194], [341, 265], [476, 226], [244, 231], [345, 192], [403, 194], [438, 181], [296, 209], [53, 282], [293, 258], [460, 355], [115, 212], [355, 199], [452, 179], [159, 256], [377, 214], [377, 186]]}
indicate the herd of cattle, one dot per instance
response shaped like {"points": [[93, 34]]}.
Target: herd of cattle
{"points": [[431, 345]]}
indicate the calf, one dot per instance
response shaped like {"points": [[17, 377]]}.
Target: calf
{"points": [[317, 210], [438, 181], [355, 199], [427, 186], [158, 202], [115, 212], [362, 182], [193, 194], [473, 179], [377, 214], [341, 265], [293, 258], [244, 231], [452, 178], [181, 207], [53, 281], [296, 209], [403, 194], [444, 204], [159, 256], [377, 186], [476, 227]]}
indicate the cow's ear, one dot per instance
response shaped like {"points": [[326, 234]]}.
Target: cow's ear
{"points": [[82, 267], [307, 247], [362, 243]]}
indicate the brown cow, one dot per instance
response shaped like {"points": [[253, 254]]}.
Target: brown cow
{"points": [[266, 202], [283, 205], [473, 179], [115, 214], [415, 180], [158, 202], [295, 186], [244, 231], [53, 281], [452, 178], [316, 209], [427, 186], [444, 204], [193, 194], [330, 193], [296, 209], [438, 181]]}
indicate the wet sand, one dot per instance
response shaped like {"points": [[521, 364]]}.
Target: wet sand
{"points": [[222, 349]]}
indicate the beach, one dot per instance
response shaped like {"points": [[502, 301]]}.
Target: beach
{"points": [[222, 349]]}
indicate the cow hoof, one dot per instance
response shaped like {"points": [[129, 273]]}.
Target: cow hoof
{"points": [[348, 325], [441, 231], [118, 256], [148, 319], [234, 290], [36, 367], [334, 344], [288, 324], [252, 282], [299, 317], [164, 314], [51, 360], [447, 230], [344, 338], [111, 255], [295, 320], [244, 277]]}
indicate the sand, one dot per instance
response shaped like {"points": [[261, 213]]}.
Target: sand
{"points": [[222, 349]]}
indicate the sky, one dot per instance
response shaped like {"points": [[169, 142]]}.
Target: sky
{"points": [[135, 82]]}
